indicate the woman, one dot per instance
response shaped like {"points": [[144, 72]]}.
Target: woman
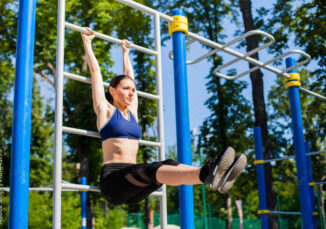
{"points": [[122, 181]]}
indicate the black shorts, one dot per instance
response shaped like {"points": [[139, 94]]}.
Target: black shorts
{"points": [[117, 190]]}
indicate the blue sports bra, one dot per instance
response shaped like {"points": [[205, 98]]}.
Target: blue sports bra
{"points": [[119, 127]]}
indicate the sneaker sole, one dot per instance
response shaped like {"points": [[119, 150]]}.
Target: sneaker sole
{"points": [[233, 174], [219, 171]]}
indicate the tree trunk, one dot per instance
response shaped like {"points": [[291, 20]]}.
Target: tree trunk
{"points": [[229, 208], [259, 108]]}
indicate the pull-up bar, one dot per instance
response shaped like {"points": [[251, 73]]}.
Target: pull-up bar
{"points": [[247, 34], [109, 38]]}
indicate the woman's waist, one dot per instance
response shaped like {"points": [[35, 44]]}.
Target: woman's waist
{"points": [[119, 152], [120, 143]]}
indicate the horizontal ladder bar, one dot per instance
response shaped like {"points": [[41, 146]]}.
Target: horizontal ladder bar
{"points": [[111, 39], [70, 187], [106, 85], [146, 9], [39, 189], [320, 183], [79, 187], [285, 213], [315, 153], [278, 159], [95, 134], [292, 156], [87, 188]]}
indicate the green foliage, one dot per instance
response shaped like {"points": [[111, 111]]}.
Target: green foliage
{"points": [[112, 218], [40, 210]]}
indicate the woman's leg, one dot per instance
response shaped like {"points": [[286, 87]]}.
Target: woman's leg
{"points": [[178, 175]]}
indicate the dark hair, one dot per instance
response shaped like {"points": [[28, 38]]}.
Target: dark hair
{"points": [[114, 83]]}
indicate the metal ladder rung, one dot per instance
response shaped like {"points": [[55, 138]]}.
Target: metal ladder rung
{"points": [[89, 188], [79, 187], [37, 189], [109, 38], [88, 80], [95, 134]]}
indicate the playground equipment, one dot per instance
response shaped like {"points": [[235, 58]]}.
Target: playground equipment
{"points": [[307, 181], [19, 177], [303, 165]]}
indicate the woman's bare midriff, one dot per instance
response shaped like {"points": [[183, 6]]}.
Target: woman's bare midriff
{"points": [[120, 150]]}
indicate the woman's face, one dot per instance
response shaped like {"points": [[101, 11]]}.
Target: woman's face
{"points": [[124, 93]]}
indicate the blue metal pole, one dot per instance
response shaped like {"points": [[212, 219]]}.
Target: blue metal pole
{"points": [[311, 188], [182, 122], [299, 146], [21, 129], [83, 205], [260, 177]]}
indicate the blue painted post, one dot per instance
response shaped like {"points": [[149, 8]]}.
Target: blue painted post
{"points": [[311, 188], [21, 129], [83, 205], [260, 177], [305, 203], [182, 119]]}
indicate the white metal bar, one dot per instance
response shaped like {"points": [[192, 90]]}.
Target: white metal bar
{"points": [[146, 9], [71, 187], [278, 159], [95, 134], [82, 132], [320, 183], [292, 156], [56, 218], [149, 143], [109, 38], [315, 153], [247, 34], [158, 194], [89, 188], [106, 85], [160, 126], [80, 187], [37, 189], [284, 213], [312, 93], [266, 66]]}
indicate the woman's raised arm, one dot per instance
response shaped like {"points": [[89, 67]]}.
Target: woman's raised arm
{"points": [[99, 100], [128, 70]]}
